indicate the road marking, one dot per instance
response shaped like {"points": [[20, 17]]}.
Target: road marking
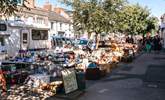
{"points": [[103, 90], [152, 85]]}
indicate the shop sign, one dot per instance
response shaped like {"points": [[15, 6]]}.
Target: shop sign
{"points": [[69, 79]]}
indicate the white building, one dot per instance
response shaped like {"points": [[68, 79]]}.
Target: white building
{"points": [[162, 27], [59, 21], [37, 19]]}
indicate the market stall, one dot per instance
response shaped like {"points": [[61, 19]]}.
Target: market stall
{"points": [[44, 76]]}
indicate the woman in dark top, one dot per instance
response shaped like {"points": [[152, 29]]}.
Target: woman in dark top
{"points": [[148, 44], [157, 44]]}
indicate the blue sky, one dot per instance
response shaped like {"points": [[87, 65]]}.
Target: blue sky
{"points": [[53, 2], [157, 7]]}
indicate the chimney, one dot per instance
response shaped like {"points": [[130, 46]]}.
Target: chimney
{"points": [[61, 12], [30, 3], [47, 6], [58, 10]]}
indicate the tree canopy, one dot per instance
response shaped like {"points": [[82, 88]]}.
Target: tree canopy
{"points": [[10, 7], [111, 16]]}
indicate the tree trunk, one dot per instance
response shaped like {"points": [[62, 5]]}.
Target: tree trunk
{"points": [[97, 40]]}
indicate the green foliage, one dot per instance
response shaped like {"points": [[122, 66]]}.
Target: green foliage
{"points": [[111, 16], [136, 20], [10, 7], [152, 24]]}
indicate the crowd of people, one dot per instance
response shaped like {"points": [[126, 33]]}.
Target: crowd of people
{"points": [[149, 43]]}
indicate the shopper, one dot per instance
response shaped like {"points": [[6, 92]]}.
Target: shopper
{"points": [[148, 43], [157, 43]]}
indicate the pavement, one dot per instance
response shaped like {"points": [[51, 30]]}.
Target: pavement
{"points": [[143, 79]]}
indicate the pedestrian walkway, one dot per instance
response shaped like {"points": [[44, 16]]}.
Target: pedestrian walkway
{"points": [[132, 81]]}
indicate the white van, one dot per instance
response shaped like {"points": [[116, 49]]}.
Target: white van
{"points": [[17, 37]]}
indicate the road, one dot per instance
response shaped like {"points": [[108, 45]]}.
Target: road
{"points": [[143, 79]]}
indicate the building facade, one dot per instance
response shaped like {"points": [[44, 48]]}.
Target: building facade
{"points": [[162, 28], [38, 18]]}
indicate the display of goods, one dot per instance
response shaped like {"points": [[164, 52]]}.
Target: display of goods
{"points": [[2, 83], [106, 67], [37, 80], [27, 93], [81, 67], [55, 85]]}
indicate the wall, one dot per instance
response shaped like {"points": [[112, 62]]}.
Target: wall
{"points": [[65, 27], [13, 41]]}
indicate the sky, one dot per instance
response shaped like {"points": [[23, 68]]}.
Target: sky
{"points": [[53, 2], [157, 7]]}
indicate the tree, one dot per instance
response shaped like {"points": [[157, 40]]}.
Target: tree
{"points": [[106, 16], [152, 24], [113, 9], [10, 7], [135, 19], [96, 16]]}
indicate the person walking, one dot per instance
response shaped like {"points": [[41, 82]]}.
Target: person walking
{"points": [[148, 44], [157, 43]]}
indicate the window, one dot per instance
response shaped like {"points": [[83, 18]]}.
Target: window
{"points": [[69, 27], [30, 20], [52, 25], [3, 27], [39, 34], [40, 21], [61, 33], [60, 26], [59, 42], [19, 1], [25, 37], [2, 41], [17, 18]]}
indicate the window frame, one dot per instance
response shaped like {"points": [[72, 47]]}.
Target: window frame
{"points": [[5, 27], [41, 34], [24, 41]]}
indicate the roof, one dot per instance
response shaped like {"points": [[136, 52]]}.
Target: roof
{"points": [[36, 11], [53, 16]]}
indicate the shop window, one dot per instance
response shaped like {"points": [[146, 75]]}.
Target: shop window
{"points": [[39, 34], [3, 27]]}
